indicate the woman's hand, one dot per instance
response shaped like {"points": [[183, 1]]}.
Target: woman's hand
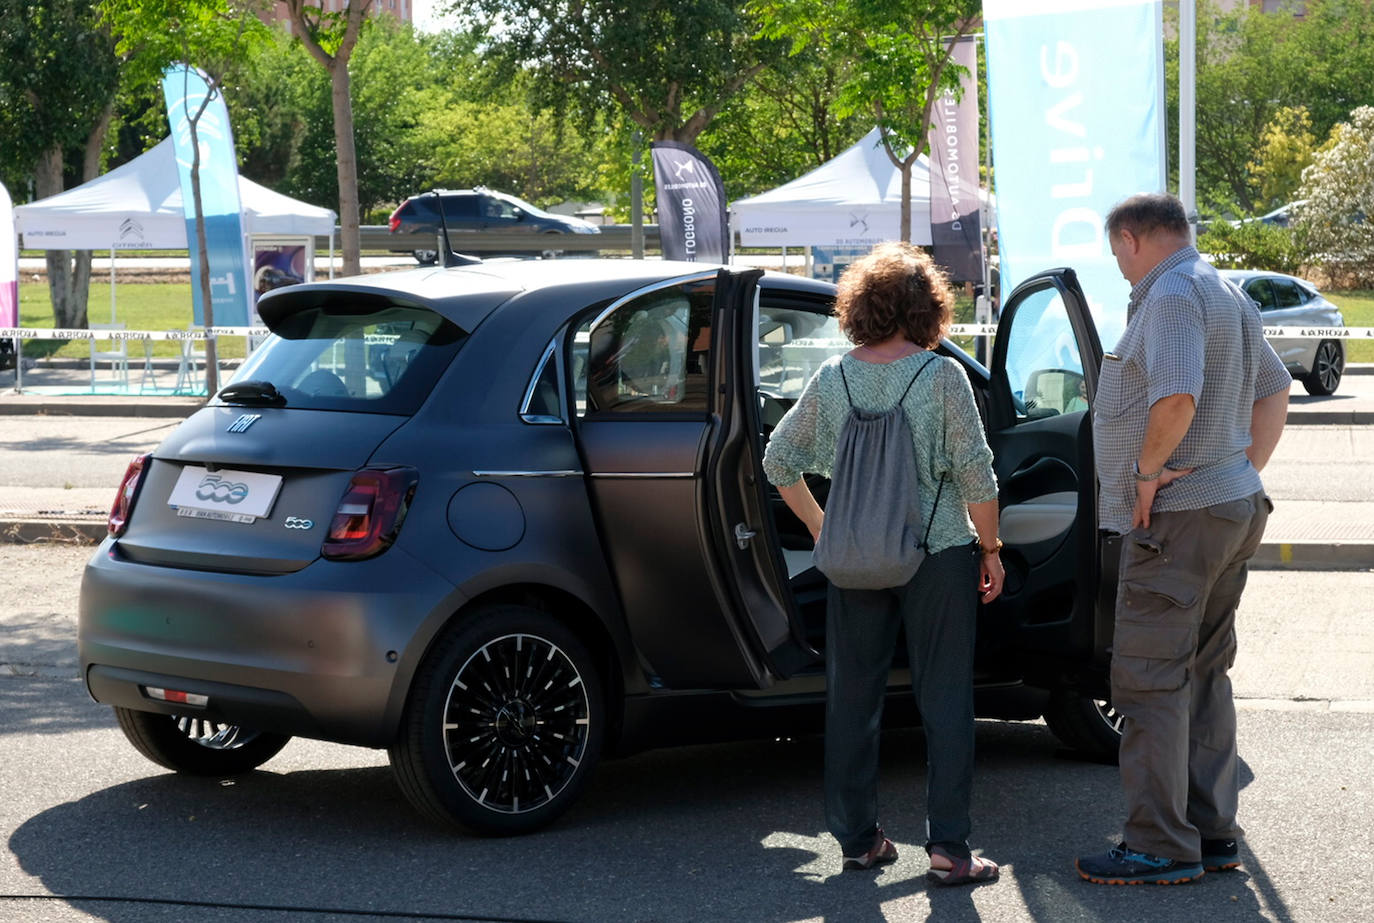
{"points": [[990, 577]]}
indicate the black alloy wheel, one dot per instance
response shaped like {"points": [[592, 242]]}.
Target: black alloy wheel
{"points": [[504, 723], [1327, 367], [198, 746]]}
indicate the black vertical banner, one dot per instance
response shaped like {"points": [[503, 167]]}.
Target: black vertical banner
{"points": [[691, 204], [954, 218]]}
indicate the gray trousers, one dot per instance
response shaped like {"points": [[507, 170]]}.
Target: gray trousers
{"points": [[1180, 583], [938, 608]]}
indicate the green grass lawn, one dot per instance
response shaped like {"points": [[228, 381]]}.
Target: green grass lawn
{"points": [[138, 306], [1358, 307], [167, 306]]}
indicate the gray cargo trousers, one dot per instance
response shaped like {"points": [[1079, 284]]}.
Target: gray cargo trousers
{"points": [[1178, 588]]}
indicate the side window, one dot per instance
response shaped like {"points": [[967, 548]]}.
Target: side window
{"points": [[1287, 293], [1263, 292], [542, 403], [1044, 368], [792, 344], [648, 356], [460, 207], [497, 210]]}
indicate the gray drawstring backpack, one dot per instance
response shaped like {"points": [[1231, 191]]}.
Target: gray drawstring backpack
{"points": [[870, 539]]}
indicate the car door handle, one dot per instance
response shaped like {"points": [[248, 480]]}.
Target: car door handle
{"points": [[743, 534]]}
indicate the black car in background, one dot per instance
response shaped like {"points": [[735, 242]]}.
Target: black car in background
{"points": [[469, 212], [503, 518]]}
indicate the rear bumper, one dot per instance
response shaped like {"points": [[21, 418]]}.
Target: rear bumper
{"points": [[326, 652]]}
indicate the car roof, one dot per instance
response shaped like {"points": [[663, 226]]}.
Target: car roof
{"points": [[1241, 276], [467, 294]]}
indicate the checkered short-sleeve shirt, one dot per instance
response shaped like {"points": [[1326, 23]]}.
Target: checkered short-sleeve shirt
{"points": [[1188, 331]]}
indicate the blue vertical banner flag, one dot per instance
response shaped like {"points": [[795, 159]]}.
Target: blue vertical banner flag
{"points": [[692, 220], [1076, 98], [189, 97], [955, 225]]}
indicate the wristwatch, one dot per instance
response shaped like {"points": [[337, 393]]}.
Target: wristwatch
{"points": [[993, 550], [1135, 466]]}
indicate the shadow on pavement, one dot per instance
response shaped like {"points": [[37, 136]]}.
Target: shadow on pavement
{"points": [[707, 833], [43, 705]]}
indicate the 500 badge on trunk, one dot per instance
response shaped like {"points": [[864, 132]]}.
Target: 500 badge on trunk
{"points": [[232, 496]]}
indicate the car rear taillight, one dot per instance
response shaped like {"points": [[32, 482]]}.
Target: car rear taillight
{"points": [[370, 514], [128, 492], [395, 220]]}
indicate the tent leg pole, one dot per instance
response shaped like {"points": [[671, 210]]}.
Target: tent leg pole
{"points": [[18, 364], [112, 283]]}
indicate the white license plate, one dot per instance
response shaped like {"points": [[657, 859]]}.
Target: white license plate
{"points": [[232, 496]]}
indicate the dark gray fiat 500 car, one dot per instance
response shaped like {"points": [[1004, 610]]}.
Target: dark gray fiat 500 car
{"points": [[505, 518]]}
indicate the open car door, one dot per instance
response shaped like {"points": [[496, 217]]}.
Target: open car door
{"points": [[667, 424], [1044, 376]]}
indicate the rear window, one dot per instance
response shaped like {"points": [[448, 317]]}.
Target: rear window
{"points": [[342, 357]]}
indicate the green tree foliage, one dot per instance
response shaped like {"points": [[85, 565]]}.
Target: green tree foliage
{"points": [[900, 62], [331, 37], [1251, 245], [210, 35], [785, 123], [1337, 219], [1285, 149], [1250, 66], [58, 73], [1244, 75], [667, 66]]}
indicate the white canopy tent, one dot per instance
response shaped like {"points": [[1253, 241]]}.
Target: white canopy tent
{"points": [[854, 200], [138, 207]]}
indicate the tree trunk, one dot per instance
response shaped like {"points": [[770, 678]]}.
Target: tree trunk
{"points": [[203, 255], [69, 272], [349, 239], [906, 201]]}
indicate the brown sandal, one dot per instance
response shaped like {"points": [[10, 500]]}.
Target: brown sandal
{"points": [[965, 870]]}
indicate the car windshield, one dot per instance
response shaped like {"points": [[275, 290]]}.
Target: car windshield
{"points": [[343, 357], [521, 204]]}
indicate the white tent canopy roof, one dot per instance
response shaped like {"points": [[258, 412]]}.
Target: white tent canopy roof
{"points": [[138, 206], [854, 200]]}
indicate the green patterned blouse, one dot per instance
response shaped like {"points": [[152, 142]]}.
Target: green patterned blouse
{"points": [[946, 431]]}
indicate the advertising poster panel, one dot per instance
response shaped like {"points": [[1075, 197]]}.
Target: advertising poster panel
{"points": [[1077, 125], [692, 221], [186, 90], [955, 223]]}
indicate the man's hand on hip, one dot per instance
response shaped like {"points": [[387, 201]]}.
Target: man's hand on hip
{"points": [[1145, 494]]}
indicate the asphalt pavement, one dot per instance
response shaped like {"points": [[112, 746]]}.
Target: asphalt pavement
{"points": [[62, 454], [92, 831]]}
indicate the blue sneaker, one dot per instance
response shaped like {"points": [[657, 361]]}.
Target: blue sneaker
{"points": [[1220, 855], [1123, 866]]}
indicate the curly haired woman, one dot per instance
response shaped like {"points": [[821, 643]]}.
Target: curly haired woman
{"points": [[895, 305]]}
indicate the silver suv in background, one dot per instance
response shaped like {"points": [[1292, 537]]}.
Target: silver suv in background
{"points": [[1287, 301]]}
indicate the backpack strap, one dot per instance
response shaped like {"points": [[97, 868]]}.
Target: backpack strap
{"points": [[927, 365], [847, 396], [925, 539]]}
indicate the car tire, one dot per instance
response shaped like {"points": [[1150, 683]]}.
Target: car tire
{"points": [[1328, 365], [196, 746], [551, 254], [504, 723], [1089, 726]]}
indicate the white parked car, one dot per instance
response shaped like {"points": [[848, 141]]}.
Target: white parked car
{"points": [[1287, 301]]}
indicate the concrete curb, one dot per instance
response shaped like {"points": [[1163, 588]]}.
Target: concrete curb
{"points": [[1314, 555], [163, 408], [52, 531], [1272, 555]]}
